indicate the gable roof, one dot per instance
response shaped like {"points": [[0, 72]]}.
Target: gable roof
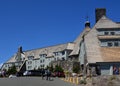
{"points": [[106, 23], [46, 50], [78, 40], [49, 50], [96, 53]]}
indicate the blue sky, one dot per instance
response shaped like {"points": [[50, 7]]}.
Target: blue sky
{"points": [[39, 23]]}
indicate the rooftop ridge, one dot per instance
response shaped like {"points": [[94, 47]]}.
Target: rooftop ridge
{"points": [[47, 47]]}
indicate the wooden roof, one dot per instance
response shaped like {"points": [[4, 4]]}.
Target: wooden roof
{"points": [[96, 53], [78, 40], [46, 50], [106, 23]]}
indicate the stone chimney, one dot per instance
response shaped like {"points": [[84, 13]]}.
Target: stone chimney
{"points": [[20, 49], [99, 12]]}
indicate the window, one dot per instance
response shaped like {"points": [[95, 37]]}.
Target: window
{"points": [[30, 57], [63, 58], [58, 58], [43, 55], [110, 44], [43, 60], [29, 67], [35, 61], [112, 33], [40, 61], [63, 52], [29, 62], [55, 59], [106, 33], [56, 53], [5, 65], [116, 44]]}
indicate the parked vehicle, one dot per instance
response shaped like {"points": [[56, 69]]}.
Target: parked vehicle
{"points": [[58, 74], [32, 73], [18, 74], [12, 76], [74, 74]]}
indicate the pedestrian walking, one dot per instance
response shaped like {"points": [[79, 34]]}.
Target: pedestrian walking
{"points": [[48, 74], [43, 73]]}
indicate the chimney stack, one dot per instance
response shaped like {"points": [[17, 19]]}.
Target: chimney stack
{"points": [[99, 12], [20, 49]]}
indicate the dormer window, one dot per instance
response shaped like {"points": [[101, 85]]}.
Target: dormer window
{"points": [[63, 52], [30, 57], [56, 53], [43, 55]]}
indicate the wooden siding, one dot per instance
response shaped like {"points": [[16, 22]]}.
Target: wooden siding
{"points": [[110, 54]]}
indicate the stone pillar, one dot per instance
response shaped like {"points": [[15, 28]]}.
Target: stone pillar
{"points": [[111, 70], [93, 70], [88, 71]]}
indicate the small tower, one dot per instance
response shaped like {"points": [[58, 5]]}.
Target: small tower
{"points": [[87, 24]]}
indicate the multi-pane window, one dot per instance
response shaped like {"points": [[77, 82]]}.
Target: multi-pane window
{"points": [[29, 67], [112, 33], [43, 55], [116, 43], [110, 43], [42, 66], [5, 65], [106, 33], [63, 52], [29, 62], [63, 58], [30, 57], [54, 59], [109, 33], [43, 60], [56, 53]]}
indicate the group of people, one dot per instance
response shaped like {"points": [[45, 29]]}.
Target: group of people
{"points": [[3, 73], [46, 73], [116, 70]]}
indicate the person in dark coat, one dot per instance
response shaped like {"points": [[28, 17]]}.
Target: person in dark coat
{"points": [[48, 74], [43, 73]]}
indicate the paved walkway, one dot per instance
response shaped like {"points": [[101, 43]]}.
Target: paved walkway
{"points": [[32, 81]]}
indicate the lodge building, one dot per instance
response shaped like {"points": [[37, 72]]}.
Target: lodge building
{"points": [[96, 49]]}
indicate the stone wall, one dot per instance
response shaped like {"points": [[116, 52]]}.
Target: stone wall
{"points": [[66, 65], [106, 81]]}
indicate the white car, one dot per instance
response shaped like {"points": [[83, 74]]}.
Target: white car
{"points": [[26, 73], [12, 76], [74, 74]]}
